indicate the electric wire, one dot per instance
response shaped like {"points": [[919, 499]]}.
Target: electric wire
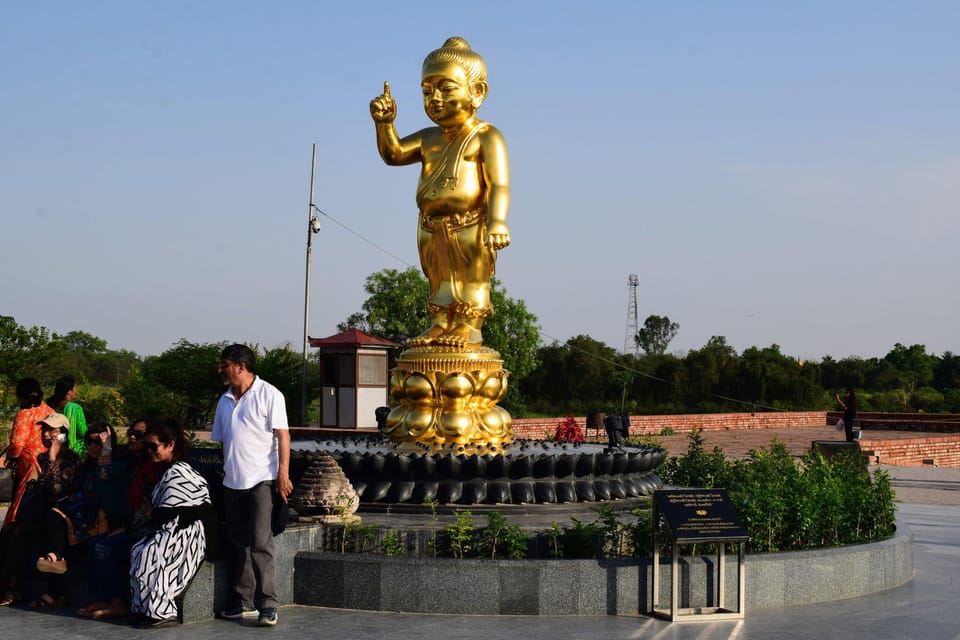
{"points": [[361, 237]]}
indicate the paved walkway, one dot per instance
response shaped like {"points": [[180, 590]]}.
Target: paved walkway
{"points": [[924, 608]]}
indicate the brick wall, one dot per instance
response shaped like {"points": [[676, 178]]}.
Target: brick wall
{"points": [[937, 450], [537, 428], [930, 422]]}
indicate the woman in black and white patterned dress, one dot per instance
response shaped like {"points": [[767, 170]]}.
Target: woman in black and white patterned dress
{"points": [[162, 564]]}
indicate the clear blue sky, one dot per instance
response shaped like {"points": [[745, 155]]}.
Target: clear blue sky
{"points": [[775, 172]]}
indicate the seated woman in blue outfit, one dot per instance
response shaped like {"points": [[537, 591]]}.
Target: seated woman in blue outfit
{"points": [[108, 554]]}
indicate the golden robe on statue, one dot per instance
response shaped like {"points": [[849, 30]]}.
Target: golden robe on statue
{"points": [[454, 253]]}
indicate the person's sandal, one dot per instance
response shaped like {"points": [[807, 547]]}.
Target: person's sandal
{"points": [[47, 602], [89, 610], [51, 564], [8, 598], [110, 612]]}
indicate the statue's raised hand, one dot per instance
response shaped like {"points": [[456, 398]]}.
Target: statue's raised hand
{"points": [[383, 108]]}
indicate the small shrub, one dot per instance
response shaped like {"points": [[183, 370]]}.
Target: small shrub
{"points": [[667, 431], [434, 523], [341, 506], [555, 548], [515, 541], [610, 530], [641, 533], [461, 533], [568, 431], [392, 545], [646, 439], [494, 531], [364, 534], [580, 541]]}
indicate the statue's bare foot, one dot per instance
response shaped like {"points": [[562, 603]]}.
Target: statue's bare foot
{"points": [[460, 336], [428, 337]]}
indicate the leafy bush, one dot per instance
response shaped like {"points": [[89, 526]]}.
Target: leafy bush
{"points": [[788, 504], [391, 544], [698, 468], [461, 533], [515, 541], [104, 404]]}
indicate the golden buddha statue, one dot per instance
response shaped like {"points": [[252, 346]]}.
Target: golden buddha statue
{"points": [[446, 386], [463, 194]]}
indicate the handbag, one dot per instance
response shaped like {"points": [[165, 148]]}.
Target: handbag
{"points": [[8, 481], [82, 509], [32, 504], [7, 484]]}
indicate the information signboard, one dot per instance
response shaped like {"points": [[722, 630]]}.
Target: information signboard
{"points": [[700, 515]]}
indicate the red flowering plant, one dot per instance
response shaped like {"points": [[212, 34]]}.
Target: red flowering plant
{"points": [[568, 431]]}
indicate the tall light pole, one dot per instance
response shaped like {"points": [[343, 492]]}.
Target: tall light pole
{"points": [[313, 226]]}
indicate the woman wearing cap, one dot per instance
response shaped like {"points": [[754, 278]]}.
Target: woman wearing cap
{"points": [[62, 400], [97, 503], [58, 475], [25, 442]]}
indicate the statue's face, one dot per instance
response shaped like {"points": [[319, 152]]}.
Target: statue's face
{"points": [[448, 97]]}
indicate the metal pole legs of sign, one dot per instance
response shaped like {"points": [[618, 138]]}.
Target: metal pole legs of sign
{"points": [[676, 613]]}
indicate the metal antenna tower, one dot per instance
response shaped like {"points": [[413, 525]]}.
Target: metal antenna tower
{"points": [[630, 337]]}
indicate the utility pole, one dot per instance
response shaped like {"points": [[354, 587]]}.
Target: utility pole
{"points": [[313, 226]]}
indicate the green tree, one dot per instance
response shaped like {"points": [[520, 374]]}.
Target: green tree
{"points": [[396, 306], [708, 373], [514, 333], [283, 368], [576, 377], [656, 334], [114, 367], [23, 352], [852, 372], [913, 364], [946, 375], [77, 351], [190, 371], [143, 398]]}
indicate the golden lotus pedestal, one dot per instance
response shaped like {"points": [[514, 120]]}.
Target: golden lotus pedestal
{"points": [[447, 397]]}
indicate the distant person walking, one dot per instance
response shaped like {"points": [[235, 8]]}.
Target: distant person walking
{"points": [[251, 422], [62, 401], [849, 404]]}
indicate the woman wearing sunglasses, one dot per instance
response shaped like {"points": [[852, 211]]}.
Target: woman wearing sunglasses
{"points": [[163, 563]]}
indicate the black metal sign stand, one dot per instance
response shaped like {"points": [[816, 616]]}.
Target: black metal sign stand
{"points": [[692, 516]]}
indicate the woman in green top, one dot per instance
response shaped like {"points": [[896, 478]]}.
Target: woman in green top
{"points": [[62, 401]]}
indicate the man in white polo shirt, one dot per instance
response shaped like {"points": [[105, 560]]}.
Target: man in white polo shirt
{"points": [[251, 422]]}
